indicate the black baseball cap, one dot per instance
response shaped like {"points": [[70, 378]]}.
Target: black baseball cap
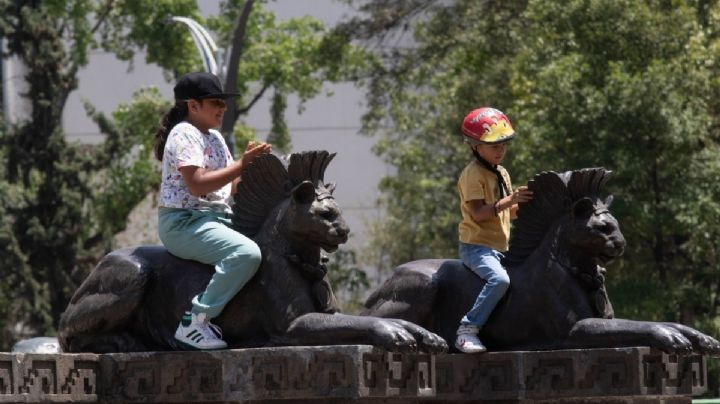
{"points": [[199, 86]]}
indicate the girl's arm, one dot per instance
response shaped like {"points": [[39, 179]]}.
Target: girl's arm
{"points": [[201, 181], [235, 183]]}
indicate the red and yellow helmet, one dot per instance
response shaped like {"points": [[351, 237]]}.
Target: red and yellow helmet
{"points": [[486, 125]]}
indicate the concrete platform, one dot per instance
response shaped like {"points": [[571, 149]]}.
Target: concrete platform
{"points": [[356, 374]]}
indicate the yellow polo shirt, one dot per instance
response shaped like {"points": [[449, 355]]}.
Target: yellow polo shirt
{"points": [[477, 182]]}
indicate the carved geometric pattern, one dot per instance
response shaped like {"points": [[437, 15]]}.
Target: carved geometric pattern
{"points": [[551, 375], [357, 372], [693, 375], [610, 374], [325, 373], [140, 378], [445, 380], [270, 373], [40, 379], [82, 379], [6, 378], [195, 377], [492, 376], [654, 373], [395, 374], [291, 373], [374, 373], [674, 374]]}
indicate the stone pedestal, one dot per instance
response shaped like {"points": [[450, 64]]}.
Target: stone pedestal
{"points": [[354, 373]]}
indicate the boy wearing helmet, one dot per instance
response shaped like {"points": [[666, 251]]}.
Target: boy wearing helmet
{"points": [[487, 204]]}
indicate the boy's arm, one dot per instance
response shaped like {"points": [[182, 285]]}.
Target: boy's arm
{"points": [[479, 210], [522, 194]]}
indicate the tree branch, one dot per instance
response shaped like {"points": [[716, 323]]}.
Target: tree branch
{"points": [[232, 112], [255, 99], [103, 16], [70, 80]]}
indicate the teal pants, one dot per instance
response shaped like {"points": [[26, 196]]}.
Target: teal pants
{"points": [[206, 236]]}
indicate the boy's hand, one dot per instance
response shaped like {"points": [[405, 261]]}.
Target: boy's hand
{"points": [[522, 194], [253, 150]]}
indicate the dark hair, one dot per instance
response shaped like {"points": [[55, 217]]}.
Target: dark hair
{"points": [[171, 118]]}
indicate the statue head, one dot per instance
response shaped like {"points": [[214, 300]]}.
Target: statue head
{"points": [[569, 208], [593, 231], [314, 217], [291, 197]]}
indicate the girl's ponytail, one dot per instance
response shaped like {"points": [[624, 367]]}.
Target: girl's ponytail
{"points": [[171, 118]]}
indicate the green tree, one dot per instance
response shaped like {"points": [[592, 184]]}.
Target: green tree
{"points": [[296, 56], [49, 207], [349, 281], [127, 179], [417, 97], [629, 85], [61, 202], [640, 100]]}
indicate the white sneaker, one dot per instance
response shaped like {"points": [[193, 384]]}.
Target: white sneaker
{"points": [[467, 340], [196, 331]]}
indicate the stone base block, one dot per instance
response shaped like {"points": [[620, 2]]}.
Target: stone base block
{"points": [[354, 373]]}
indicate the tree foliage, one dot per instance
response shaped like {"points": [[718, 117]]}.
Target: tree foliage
{"points": [[628, 85], [61, 203]]}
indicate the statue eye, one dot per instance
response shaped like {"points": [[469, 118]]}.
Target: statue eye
{"points": [[327, 214]]}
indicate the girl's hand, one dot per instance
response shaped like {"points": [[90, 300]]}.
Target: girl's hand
{"points": [[253, 150]]}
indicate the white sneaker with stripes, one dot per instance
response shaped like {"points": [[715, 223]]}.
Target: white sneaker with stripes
{"points": [[196, 331]]}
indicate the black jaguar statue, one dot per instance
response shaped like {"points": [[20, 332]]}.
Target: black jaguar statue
{"points": [[134, 298], [557, 297]]}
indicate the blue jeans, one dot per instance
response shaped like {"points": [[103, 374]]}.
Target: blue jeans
{"points": [[485, 263], [207, 237]]}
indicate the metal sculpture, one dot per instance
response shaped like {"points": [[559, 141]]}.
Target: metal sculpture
{"points": [[134, 298], [557, 297]]}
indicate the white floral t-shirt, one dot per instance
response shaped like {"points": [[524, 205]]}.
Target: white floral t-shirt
{"points": [[187, 146]]}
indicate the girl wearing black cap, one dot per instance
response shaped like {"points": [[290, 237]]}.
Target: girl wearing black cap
{"points": [[198, 179]]}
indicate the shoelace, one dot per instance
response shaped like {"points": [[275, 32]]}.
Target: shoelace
{"points": [[216, 329], [209, 329]]}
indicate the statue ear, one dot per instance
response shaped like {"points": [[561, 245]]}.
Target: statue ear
{"points": [[304, 193], [330, 187], [583, 208], [608, 200]]}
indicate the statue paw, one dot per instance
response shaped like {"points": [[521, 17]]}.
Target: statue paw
{"points": [[427, 341], [701, 343], [707, 345], [393, 336], [670, 340]]}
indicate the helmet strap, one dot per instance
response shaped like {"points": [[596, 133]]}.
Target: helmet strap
{"points": [[504, 191]]}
